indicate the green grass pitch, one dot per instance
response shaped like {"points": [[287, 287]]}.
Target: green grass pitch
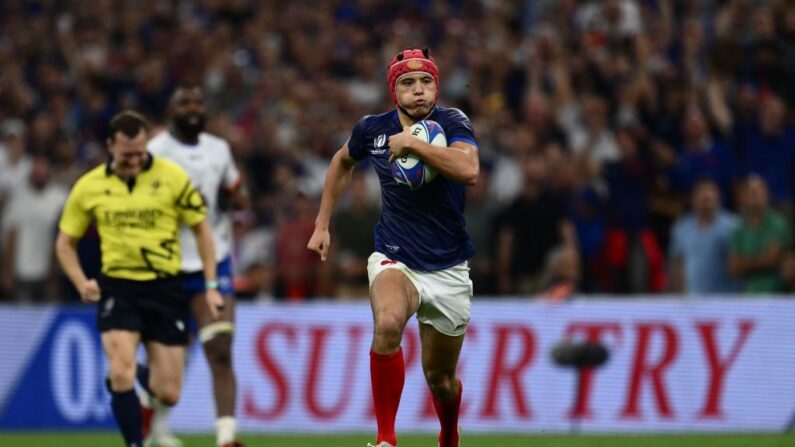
{"points": [[81, 439]]}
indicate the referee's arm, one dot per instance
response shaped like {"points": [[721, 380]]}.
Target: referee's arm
{"points": [[66, 251]]}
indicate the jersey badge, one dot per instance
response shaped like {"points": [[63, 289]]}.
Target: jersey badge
{"points": [[378, 145]]}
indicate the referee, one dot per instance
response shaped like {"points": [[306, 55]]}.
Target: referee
{"points": [[138, 202]]}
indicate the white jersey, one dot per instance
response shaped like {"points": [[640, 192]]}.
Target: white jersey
{"points": [[211, 168]]}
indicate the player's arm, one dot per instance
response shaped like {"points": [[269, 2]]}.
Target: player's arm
{"points": [[233, 194], [66, 252], [204, 241], [459, 162], [337, 178]]}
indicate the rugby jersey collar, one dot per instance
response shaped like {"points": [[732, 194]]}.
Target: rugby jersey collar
{"points": [[396, 115]]}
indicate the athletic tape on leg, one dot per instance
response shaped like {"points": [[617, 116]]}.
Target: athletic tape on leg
{"points": [[209, 332]]}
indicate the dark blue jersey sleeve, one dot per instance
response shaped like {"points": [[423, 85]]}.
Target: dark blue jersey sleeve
{"points": [[457, 127], [357, 146]]}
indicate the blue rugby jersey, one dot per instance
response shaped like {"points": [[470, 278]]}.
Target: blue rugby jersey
{"points": [[424, 228]]}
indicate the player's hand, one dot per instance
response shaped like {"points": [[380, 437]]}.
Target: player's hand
{"points": [[319, 243], [215, 301], [89, 291], [400, 143]]}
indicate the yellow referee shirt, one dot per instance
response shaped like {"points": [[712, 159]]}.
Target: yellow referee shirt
{"points": [[138, 222]]}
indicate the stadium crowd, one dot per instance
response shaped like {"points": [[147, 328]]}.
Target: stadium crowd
{"points": [[626, 146]]}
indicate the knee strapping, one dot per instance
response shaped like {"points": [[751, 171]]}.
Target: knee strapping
{"points": [[212, 330]]}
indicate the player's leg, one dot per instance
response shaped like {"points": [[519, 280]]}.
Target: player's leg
{"points": [[119, 346], [440, 354], [393, 298], [443, 317], [216, 339]]}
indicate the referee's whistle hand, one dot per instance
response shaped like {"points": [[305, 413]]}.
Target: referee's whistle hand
{"points": [[215, 302], [90, 292]]}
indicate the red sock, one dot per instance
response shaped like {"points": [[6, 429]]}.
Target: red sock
{"points": [[387, 374], [448, 418]]}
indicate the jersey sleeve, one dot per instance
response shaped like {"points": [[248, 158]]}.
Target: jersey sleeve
{"points": [[191, 206], [357, 147], [231, 180], [457, 127], [75, 218]]}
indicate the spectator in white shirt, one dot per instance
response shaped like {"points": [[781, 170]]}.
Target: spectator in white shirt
{"points": [[14, 162], [29, 223]]}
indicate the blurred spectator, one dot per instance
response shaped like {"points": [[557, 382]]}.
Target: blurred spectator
{"points": [[759, 244], [29, 228], [540, 118], [768, 149], [15, 163], [700, 89], [300, 273], [588, 132], [609, 19], [703, 157], [788, 272], [480, 214], [532, 225], [561, 273], [66, 164], [586, 209], [633, 259], [353, 229], [254, 258], [699, 250]]}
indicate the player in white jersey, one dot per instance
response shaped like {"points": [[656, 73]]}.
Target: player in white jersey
{"points": [[209, 162]]}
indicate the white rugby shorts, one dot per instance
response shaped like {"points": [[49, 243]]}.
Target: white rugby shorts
{"points": [[445, 295]]}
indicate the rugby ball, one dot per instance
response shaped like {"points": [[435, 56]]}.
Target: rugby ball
{"points": [[410, 170]]}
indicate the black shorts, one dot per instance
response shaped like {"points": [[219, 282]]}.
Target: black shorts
{"points": [[157, 309]]}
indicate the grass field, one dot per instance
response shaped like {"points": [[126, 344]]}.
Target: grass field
{"points": [[723, 440]]}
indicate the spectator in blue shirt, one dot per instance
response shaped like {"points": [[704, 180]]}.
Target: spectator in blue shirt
{"points": [[700, 156], [700, 245], [769, 150]]}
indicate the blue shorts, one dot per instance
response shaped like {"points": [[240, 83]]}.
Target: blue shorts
{"points": [[193, 283]]}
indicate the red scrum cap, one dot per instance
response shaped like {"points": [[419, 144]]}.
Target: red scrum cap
{"points": [[408, 61]]}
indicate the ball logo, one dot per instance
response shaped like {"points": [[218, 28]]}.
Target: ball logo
{"points": [[409, 169], [414, 65]]}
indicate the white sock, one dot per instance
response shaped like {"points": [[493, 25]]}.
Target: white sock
{"points": [[160, 418], [225, 427]]}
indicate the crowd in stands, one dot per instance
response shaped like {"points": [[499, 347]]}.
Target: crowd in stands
{"points": [[626, 146]]}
